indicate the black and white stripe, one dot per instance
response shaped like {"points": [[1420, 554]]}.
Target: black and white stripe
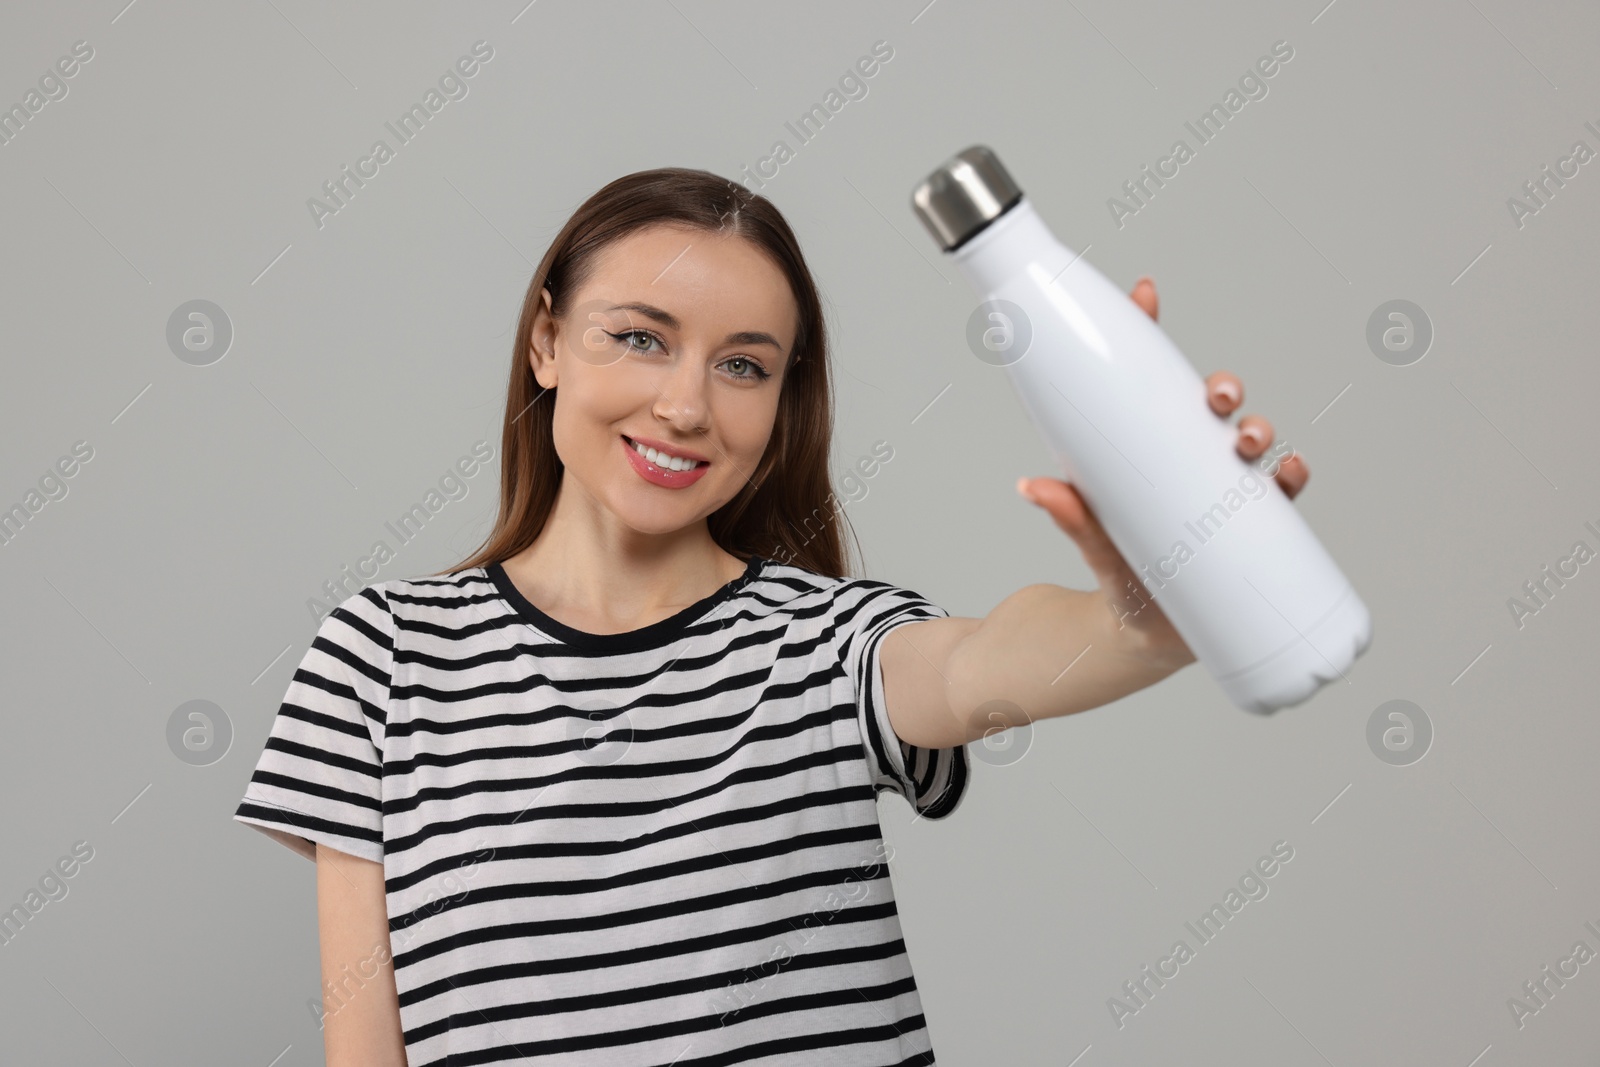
{"points": [[657, 847]]}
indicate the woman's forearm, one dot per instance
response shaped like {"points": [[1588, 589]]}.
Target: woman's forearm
{"points": [[1047, 651]]}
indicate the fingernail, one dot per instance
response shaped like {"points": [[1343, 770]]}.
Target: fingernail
{"points": [[1228, 391], [1023, 492], [1254, 434]]}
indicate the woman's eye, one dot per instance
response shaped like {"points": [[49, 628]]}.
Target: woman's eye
{"points": [[628, 336], [755, 371]]}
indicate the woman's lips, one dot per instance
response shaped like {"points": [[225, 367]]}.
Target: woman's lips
{"points": [[668, 479]]}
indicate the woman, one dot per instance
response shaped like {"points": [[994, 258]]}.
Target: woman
{"points": [[605, 793]]}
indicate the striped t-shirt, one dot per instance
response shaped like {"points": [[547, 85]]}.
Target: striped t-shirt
{"points": [[646, 848]]}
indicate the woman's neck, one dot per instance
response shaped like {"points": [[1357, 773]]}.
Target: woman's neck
{"points": [[606, 578]]}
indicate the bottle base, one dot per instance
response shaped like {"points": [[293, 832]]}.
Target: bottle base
{"points": [[1292, 676]]}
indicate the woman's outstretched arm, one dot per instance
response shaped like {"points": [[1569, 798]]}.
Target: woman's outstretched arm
{"points": [[361, 1010]]}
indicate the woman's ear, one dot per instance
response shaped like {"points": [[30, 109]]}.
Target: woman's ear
{"points": [[541, 344]]}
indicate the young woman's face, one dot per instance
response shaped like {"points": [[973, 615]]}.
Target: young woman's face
{"points": [[679, 341]]}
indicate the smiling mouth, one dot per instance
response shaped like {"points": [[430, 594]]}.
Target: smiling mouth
{"points": [[664, 460]]}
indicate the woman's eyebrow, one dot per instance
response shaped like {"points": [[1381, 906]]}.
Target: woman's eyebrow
{"points": [[670, 321]]}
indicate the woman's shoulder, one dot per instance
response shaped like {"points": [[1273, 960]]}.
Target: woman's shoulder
{"points": [[464, 581], [844, 592], [787, 579], [409, 597]]}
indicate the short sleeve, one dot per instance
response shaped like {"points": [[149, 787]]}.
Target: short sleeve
{"points": [[933, 780], [320, 776]]}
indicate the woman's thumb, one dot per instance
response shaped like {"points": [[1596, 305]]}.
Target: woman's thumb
{"points": [[1071, 514], [1055, 497]]}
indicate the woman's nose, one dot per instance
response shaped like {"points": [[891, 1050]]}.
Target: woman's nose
{"points": [[683, 395]]}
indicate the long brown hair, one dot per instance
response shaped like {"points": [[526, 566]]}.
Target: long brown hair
{"points": [[787, 510]]}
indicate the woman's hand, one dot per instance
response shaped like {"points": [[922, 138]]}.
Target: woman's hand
{"points": [[1126, 596]]}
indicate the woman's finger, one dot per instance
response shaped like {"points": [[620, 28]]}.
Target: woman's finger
{"points": [[1144, 294], [1224, 391], [1255, 434], [1292, 475], [1077, 520]]}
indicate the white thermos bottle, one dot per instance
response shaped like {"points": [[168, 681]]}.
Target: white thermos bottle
{"points": [[1214, 540]]}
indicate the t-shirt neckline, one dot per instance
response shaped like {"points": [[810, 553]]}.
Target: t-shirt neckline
{"points": [[654, 634]]}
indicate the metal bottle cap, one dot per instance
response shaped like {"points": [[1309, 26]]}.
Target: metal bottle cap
{"points": [[963, 196]]}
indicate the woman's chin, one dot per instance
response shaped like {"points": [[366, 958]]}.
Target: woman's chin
{"points": [[656, 520], [655, 510]]}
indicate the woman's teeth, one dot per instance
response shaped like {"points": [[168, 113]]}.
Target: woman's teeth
{"points": [[661, 459]]}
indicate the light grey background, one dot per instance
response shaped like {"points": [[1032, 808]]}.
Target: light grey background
{"points": [[370, 354]]}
